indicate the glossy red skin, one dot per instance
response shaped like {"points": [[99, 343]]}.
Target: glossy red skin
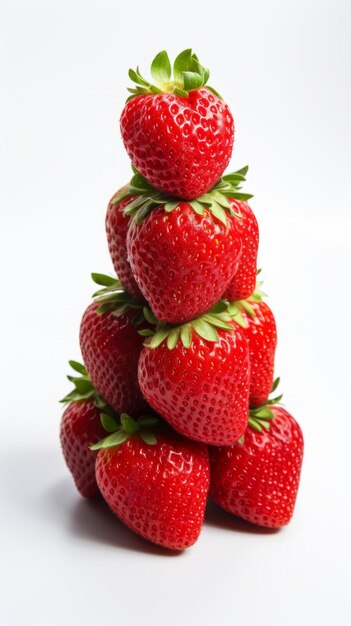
{"points": [[80, 427], [261, 333], [110, 348], [181, 145], [159, 491], [202, 391], [183, 261], [244, 282], [116, 230], [258, 480]]}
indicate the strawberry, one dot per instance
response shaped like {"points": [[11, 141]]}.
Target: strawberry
{"points": [[110, 345], [116, 230], [178, 133], [80, 427], [183, 255], [243, 284], [258, 478], [197, 377], [258, 323], [156, 485]]}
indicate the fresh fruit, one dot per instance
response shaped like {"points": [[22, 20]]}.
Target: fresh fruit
{"points": [[259, 326], [183, 255], [243, 284], [116, 230], [197, 377], [156, 484], [178, 133], [258, 478], [110, 345], [80, 427]]}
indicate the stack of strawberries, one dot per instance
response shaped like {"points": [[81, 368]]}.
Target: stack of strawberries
{"points": [[172, 402]]}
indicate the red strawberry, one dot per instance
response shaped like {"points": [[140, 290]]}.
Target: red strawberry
{"points": [[80, 427], [244, 281], [183, 255], [258, 479], [116, 230], [261, 333], [156, 486], [178, 133], [110, 345], [198, 379]]}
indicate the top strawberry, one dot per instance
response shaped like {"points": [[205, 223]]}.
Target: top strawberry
{"points": [[178, 133]]}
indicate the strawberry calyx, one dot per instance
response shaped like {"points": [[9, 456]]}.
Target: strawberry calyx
{"points": [[217, 200], [121, 427], [83, 388], [260, 417], [238, 307], [188, 74], [205, 326], [121, 430], [113, 297]]}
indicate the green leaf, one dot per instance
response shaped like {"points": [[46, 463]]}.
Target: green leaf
{"points": [[102, 279], [255, 424], [78, 367], [72, 396], [245, 305], [262, 413], [205, 330], [241, 440], [108, 422], [129, 425], [116, 439], [255, 297], [158, 338], [148, 437], [191, 80], [182, 64], [99, 402], [221, 199], [185, 335], [149, 316], [146, 332], [83, 386], [275, 385], [217, 321], [214, 92], [169, 206], [181, 92], [220, 307], [241, 196], [136, 78], [104, 308], [275, 400], [236, 315], [265, 424], [243, 171], [144, 211], [161, 70], [205, 75], [172, 338], [197, 207], [218, 212]]}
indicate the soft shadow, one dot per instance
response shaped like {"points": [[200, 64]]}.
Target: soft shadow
{"points": [[218, 517], [37, 484], [91, 520]]}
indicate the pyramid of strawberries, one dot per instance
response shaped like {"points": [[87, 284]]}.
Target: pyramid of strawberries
{"points": [[173, 403]]}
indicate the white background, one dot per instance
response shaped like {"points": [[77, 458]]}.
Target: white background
{"points": [[284, 69]]}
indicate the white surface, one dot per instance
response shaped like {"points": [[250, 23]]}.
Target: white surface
{"points": [[284, 69]]}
